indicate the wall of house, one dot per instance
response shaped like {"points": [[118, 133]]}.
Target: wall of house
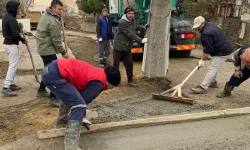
{"points": [[26, 24]]}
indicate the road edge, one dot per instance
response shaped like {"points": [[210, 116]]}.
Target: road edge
{"points": [[43, 134]]}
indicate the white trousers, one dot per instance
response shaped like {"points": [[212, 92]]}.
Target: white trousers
{"points": [[216, 63], [13, 53]]}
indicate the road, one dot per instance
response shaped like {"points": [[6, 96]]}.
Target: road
{"points": [[216, 134]]}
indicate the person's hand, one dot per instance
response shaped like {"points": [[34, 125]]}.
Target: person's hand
{"points": [[24, 41], [201, 63], [66, 55], [238, 74], [144, 40], [100, 39], [20, 25]]}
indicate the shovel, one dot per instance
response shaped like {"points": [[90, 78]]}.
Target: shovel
{"points": [[176, 96], [65, 42], [31, 57]]}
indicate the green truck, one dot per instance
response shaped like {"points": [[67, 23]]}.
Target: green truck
{"points": [[182, 37]]}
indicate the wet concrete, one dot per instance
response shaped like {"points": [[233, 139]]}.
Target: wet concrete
{"points": [[215, 134], [142, 106], [223, 134]]}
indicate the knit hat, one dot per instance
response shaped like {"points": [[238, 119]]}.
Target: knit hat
{"points": [[105, 9], [113, 75], [129, 9]]}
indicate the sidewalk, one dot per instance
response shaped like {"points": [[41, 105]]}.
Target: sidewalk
{"points": [[197, 53]]}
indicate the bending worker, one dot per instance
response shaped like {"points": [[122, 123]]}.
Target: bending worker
{"points": [[241, 59], [215, 44], [76, 83]]}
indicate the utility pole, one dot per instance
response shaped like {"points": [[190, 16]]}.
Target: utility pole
{"points": [[156, 51]]}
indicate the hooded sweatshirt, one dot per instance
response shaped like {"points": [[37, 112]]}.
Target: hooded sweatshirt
{"points": [[10, 28], [126, 34]]}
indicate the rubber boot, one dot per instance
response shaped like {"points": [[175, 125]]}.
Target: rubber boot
{"points": [[72, 135], [226, 92], [63, 114]]}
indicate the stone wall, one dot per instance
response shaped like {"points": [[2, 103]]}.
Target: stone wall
{"points": [[81, 24], [231, 28], [74, 23]]}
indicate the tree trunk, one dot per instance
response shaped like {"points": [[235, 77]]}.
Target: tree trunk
{"points": [[156, 51]]}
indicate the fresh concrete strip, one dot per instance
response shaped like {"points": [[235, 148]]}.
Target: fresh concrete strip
{"points": [[43, 134]]}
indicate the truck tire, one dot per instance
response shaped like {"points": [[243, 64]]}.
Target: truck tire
{"points": [[185, 54], [175, 54], [137, 57]]}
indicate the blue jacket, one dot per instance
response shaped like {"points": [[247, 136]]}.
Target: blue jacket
{"points": [[215, 41], [104, 28]]}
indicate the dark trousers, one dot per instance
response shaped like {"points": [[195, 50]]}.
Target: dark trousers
{"points": [[68, 94], [46, 60], [104, 51], [126, 58], [236, 81]]}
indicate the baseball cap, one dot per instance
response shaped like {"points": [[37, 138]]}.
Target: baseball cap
{"points": [[198, 21]]}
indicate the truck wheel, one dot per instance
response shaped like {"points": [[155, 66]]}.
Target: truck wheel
{"points": [[174, 54], [185, 54], [137, 57]]}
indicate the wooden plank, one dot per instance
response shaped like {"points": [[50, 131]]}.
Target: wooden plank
{"points": [[173, 99], [149, 122]]}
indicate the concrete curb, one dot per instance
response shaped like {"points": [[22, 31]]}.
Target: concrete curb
{"points": [[43, 134]]}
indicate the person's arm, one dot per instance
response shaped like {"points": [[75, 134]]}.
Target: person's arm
{"points": [[14, 31], [128, 32], [207, 43], [140, 27], [55, 33], [204, 56], [98, 28], [237, 61]]}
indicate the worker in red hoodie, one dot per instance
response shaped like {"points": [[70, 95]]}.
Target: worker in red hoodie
{"points": [[76, 83]]}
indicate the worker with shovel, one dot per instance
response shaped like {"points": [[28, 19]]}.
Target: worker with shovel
{"points": [[49, 42], [241, 59], [11, 33], [216, 44], [77, 83]]}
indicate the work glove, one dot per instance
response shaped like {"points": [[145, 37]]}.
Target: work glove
{"points": [[100, 39], [144, 40], [86, 123], [201, 63]]}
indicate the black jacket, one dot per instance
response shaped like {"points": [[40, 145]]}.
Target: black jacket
{"points": [[10, 28], [126, 34], [215, 41]]}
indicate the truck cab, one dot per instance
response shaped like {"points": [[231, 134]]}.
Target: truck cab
{"points": [[182, 37]]}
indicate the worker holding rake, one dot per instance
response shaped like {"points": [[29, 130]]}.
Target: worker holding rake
{"points": [[215, 44], [76, 83]]}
